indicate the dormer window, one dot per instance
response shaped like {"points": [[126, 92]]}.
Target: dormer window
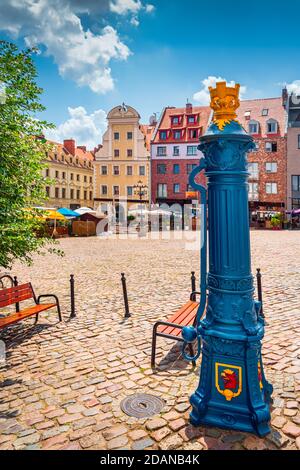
{"points": [[175, 120], [253, 127], [177, 135], [272, 126], [163, 135], [191, 119]]}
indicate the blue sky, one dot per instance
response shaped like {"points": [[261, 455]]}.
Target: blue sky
{"points": [[150, 54]]}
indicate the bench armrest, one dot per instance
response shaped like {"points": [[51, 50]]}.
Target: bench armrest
{"points": [[193, 295], [47, 295]]}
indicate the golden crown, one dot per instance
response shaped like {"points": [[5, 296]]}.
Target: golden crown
{"points": [[224, 102]]}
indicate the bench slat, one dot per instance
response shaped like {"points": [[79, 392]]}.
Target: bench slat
{"points": [[27, 312], [184, 316], [15, 294]]}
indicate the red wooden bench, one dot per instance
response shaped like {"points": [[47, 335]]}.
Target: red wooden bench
{"points": [[171, 328], [15, 295]]}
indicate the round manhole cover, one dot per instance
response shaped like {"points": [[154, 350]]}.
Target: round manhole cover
{"points": [[142, 405]]}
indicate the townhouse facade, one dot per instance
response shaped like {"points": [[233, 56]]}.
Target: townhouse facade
{"points": [[122, 162], [266, 121], [174, 153], [70, 167], [293, 153]]}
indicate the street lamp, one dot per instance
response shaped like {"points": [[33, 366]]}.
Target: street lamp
{"points": [[141, 190]]}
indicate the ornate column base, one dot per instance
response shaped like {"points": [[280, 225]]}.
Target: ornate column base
{"points": [[233, 392]]}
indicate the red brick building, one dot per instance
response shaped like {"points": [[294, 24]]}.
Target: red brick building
{"points": [[174, 153], [266, 121]]}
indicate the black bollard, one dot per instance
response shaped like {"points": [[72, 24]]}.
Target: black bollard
{"points": [[193, 282], [259, 290], [123, 280], [15, 284], [72, 295]]}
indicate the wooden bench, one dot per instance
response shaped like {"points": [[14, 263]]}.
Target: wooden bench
{"points": [[171, 328], [18, 293]]}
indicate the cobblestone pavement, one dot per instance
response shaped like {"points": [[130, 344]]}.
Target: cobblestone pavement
{"points": [[62, 384]]}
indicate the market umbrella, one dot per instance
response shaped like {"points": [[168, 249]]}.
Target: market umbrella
{"points": [[68, 212], [83, 210]]}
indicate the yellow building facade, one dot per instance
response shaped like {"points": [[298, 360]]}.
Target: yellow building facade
{"points": [[71, 170], [123, 160]]}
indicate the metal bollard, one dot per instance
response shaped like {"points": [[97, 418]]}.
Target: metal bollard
{"points": [[72, 295], [15, 284], [125, 296], [259, 290], [193, 282]]}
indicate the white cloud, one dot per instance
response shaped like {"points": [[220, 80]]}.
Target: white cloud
{"points": [[79, 54], [122, 7], [149, 8], [134, 21], [203, 97], [86, 129], [293, 87]]}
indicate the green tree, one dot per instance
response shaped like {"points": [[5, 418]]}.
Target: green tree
{"points": [[22, 151]]}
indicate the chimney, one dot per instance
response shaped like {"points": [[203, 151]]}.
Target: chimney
{"points": [[82, 147], [285, 97], [69, 144], [188, 107]]}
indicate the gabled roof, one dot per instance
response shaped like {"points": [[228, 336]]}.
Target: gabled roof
{"points": [[275, 111]]}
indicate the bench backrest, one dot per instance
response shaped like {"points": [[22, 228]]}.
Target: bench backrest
{"points": [[15, 294]]}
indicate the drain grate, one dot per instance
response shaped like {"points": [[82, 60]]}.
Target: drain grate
{"points": [[142, 405]]}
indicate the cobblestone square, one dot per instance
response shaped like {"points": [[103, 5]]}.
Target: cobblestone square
{"points": [[62, 383]]}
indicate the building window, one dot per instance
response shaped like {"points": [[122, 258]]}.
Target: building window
{"points": [[272, 126], [265, 112], [71, 176], [116, 170], [176, 169], [253, 170], [85, 195], [57, 174], [129, 135], [104, 190], [271, 167], [48, 191], [91, 179], [116, 190], [161, 169], [163, 135], [271, 188], [192, 150], [296, 183], [104, 170], [116, 135], [142, 171], [71, 160], [176, 188], [116, 152], [71, 193], [247, 115], [190, 167], [55, 156], [193, 133], [129, 191], [176, 151], [253, 127], [63, 193], [91, 195], [78, 177], [161, 151], [129, 153], [253, 191], [161, 190], [78, 194], [256, 148], [175, 120], [271, 146], [129, 171], [177, 135], [298, 141], [191, 119], [85, 178], [47, 172], [57, 193]]}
